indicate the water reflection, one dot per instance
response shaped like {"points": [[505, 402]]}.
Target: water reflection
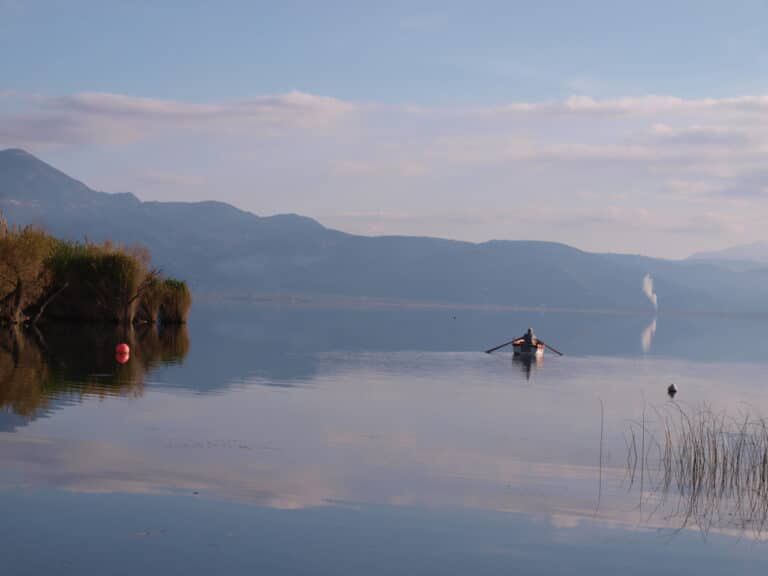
{"points": [[413, 431], [321, 410], [280, 346], [527, 364], [646, 338], [41, 367], [271, 332], [24, 373]]}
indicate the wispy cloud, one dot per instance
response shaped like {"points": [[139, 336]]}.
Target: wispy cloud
{"points": [[100, 117], [645, 105], [641, 174], [288, 107]]}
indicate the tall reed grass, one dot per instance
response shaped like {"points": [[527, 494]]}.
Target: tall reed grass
{"points": [[24, 277], [103, 282], [176, 301], [43, 277], [716, 465]]}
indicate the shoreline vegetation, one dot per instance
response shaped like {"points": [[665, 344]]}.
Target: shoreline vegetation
{"points": [[43, 278]]}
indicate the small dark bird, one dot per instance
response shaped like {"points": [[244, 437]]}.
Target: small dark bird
{"points": [[672, 390]]}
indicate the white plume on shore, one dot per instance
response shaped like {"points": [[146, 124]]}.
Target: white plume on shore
{"points": [[648, 291]]}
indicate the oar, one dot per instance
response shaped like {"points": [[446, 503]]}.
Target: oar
{"points": [[502, 346], [550, 347]]}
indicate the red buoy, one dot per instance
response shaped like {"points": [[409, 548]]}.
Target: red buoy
{"points": [[122, 348], [122, 358]]}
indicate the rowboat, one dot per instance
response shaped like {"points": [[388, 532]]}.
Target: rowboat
{"points": [[529, 350], [527, 346]]}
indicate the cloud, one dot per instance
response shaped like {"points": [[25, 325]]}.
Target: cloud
{"points": [[41, 128], [717, 136], [282, 107], [646, 105], [642, 174], [751, 184], [106, 118]]}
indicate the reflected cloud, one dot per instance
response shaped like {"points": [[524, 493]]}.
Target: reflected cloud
{"points": [[429, 430], [562, 495]]}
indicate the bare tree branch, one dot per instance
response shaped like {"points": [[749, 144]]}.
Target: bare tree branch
{"points": [[48, 300]]}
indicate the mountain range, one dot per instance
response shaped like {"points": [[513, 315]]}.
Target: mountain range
{"points": [[229, 252], [745, 254]]}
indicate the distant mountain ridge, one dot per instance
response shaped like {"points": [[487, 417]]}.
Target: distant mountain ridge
{"points": [[222, 249], [754, 252]]}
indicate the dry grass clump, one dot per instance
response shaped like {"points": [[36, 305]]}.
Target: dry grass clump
{"points": [[148, 310], [176, 301], [24, 276], [103, 282], [165, 300]]}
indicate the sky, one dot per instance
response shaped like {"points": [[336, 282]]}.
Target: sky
{"points": [[611, 126]]}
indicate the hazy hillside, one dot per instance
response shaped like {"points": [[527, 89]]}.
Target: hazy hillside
{"points": [[755, 252], [225, 250]]}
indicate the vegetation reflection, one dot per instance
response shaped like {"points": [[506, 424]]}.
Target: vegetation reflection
{"points": [[39, 366]]}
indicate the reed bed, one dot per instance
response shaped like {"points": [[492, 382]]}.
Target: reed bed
{"points": [[716, 465], [42, 278], [175, 301]]}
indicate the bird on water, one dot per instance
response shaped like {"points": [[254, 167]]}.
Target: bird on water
{"points": [[672, 390]]}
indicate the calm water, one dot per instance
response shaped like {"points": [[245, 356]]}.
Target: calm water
{"points": [[280, 440]]}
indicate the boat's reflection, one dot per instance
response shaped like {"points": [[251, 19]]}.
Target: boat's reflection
{"points": [[527, 363]]}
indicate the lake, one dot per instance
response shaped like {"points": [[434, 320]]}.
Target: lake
{"points": [[367, 439]]}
